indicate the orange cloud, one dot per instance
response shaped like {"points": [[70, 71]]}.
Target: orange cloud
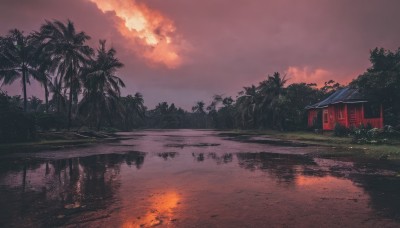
{"points": [[152, 35], [307, 75]]}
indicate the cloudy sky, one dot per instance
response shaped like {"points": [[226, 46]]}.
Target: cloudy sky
{"points": [[183, 51]]}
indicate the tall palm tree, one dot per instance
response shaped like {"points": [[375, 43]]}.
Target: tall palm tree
{"points": [[102, 86], [272, 91], [69, 53], [43, 64], [58, 99], [134, 110], [16, 59], [246, 106]]}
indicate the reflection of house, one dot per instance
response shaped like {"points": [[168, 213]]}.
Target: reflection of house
{"points": [[346, 107]]}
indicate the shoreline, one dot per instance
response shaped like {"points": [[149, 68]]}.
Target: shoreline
{"points": [[337, 146]]}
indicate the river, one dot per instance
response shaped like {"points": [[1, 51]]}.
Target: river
{"points": [[194, 178]]}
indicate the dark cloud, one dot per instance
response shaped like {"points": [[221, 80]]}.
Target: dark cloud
{"points": [[233, 43]]}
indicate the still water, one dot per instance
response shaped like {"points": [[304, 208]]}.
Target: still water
{"points": [[189, 178]]}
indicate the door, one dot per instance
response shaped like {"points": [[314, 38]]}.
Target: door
{"points": [[352, 115]]}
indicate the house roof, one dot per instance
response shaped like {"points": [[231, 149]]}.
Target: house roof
{"points": [[345, 95]]}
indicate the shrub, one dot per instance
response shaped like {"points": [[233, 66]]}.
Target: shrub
{"points": [[365, 135], [15, 125], [340, 130]]}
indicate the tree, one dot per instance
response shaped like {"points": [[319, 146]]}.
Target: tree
{"points": [[16, 59], [67, 49], [381, 83], [299, 95], [246, 107], [102, 86], [272, 105], [134, 111], [42, 63]]}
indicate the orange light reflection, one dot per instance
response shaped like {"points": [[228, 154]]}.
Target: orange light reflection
{"points": [[160, 212]]}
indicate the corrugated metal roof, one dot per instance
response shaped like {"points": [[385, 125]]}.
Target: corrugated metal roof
{"points": [[346, 95]]}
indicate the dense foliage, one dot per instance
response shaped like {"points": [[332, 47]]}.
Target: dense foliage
{"points": [[381, 83]]}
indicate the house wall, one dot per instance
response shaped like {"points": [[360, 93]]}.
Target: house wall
{"points": [[349, 115], [355, 115]]}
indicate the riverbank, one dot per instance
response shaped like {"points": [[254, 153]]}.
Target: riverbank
{"points": [[59, 140], [339, 146], [336, 146]]}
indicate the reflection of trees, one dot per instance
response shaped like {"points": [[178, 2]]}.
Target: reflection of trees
{"points": [[68, 187], [219, 159], [167, 155], [384, 190], [283, 167], [223, 159]]}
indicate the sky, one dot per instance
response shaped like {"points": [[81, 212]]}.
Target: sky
{"points": [[183, 51]]}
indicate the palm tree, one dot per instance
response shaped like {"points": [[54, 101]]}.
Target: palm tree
{"points": [[43, 64], [134, 110], [199, 107], [272, 91], [16, 59], [58, 99], [69, 53], [246, 106], [200, 117], [102, 86]]}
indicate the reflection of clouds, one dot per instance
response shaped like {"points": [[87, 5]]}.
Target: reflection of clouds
{"points": [[160, 211], [330, 182]]}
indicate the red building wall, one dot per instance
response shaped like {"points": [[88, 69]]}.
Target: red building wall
{"points": [[348, 115]]}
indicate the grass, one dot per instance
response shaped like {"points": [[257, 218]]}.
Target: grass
{"points": [[341, 145], [55, 141], [44, 145]]}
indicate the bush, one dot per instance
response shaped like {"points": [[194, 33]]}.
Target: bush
{"points": [[366, 135], [340, 130], [15, 125], [48, 121]]}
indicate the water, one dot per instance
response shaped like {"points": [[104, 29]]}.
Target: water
{"points": [[188, 178]]}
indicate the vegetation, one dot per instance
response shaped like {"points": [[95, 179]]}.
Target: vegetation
{"points": [[82, 90], [381, 83]]}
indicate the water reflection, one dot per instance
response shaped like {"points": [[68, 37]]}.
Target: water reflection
{"points": [[160, 211], [219, 159], [197, 186], [60, 189], [168, 155]]}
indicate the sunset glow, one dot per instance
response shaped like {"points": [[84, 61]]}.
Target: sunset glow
{"points": [[151, 34], [161, 211]]}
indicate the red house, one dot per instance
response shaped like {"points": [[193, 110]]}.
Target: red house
{"points": [[346, 107]]}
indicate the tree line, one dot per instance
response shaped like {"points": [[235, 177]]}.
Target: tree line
{"points": [[82, 90]]}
